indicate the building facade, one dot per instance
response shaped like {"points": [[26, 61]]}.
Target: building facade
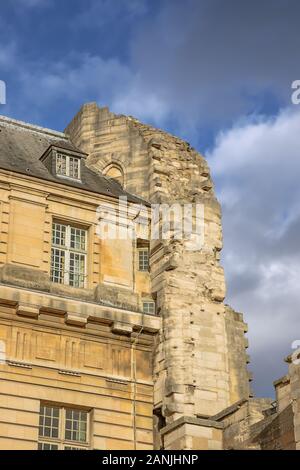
{"points": [[111, 338]]}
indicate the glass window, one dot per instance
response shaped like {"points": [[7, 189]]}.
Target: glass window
{"points": [[68, 166], [149, 307], [63, 428], [76, 425], [143, 259], [68, 255], [61, 165], [73, 167], [49, 421], [47, 446]]}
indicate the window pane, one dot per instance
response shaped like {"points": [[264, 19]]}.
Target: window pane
{"points": [[77, 270], [76, 425], [74, 167], [143, 260], [57, 265], [73, 448], [59, 234], [47, 446], [78, 239], [149, 307], [49, 421], [61, 164]]}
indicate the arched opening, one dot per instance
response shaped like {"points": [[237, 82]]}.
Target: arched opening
{"points": [[115, 172]]}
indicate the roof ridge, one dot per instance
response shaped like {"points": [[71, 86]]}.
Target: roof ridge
{"points": [[32, 127]]}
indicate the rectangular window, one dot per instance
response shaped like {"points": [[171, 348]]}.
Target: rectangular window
{"points": [[63, 428], [68, 255], [143, 259], [76, 425], [61, 164], [47, 446], [49, 418], [68, 166], [149, 307]]}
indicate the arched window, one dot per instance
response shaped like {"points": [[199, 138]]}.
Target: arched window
{"points": [[115, 172]]}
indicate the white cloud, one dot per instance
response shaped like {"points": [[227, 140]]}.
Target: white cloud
{"points": [[256, 166], [78, 78]]}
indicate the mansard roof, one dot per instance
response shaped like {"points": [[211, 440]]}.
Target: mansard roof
{"points": [[22, 145]]}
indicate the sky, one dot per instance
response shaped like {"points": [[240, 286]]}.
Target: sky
{"points": [[219, 75]]}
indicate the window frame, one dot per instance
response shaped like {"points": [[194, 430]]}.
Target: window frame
{"points": [[67, 250], [61, 442], [152, 302], [140, 250], [67, 159]]}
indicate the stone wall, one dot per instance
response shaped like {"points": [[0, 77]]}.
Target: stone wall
{"points": [[294, 374], [80, 355], [278, 433], [238, 357], [283, 392], [265, 425], [199, 369], [240, 422], [110, 138]]}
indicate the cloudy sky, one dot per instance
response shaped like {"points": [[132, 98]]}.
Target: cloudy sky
{"points": [[218, 73]]}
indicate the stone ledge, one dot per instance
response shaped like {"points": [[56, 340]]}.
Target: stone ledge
{"points": [[283, 380], [230, 409], [76, 312], [76, 320], [28, 311], [209, 423], [121, 328], [25, 277], [24, 365], [69, 372]]}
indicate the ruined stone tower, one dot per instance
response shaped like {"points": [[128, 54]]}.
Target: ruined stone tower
{"points": [[199, 363]]}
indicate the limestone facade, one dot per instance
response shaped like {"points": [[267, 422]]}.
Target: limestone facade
{"points": [[77, 350], [145, 358]]}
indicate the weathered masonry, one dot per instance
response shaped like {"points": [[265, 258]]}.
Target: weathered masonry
{"points": [[115, 342]]}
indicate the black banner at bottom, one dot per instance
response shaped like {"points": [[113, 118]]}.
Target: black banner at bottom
{"points": [[136, 459]]}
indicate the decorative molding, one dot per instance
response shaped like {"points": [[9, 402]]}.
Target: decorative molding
{"points": [[19, 364], [69, 372], [73, 319], [118, 381], [121, 328], [28, 311]]}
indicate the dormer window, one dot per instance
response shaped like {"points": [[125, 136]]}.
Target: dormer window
{"points": [[67, 166], [64, 160]]}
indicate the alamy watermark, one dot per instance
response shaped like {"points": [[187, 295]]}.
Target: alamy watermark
{"points": [[2, 92], [296, 354], [158, 222], [295, 97]]}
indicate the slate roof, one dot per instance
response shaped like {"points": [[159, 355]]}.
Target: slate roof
{"points": [[22, 145]]}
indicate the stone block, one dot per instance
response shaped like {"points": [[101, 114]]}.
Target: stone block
{"points": [[24, 277]]}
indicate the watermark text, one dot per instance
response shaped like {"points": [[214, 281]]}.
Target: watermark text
{"points": [[2, 92]]}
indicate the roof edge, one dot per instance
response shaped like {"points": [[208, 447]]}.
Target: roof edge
{"points": [[32, 127]]}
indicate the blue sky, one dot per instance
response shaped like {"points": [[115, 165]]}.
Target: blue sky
{"points": [[219, 75]]}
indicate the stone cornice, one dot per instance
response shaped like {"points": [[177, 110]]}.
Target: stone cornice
{"points": [[29, 303]]}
